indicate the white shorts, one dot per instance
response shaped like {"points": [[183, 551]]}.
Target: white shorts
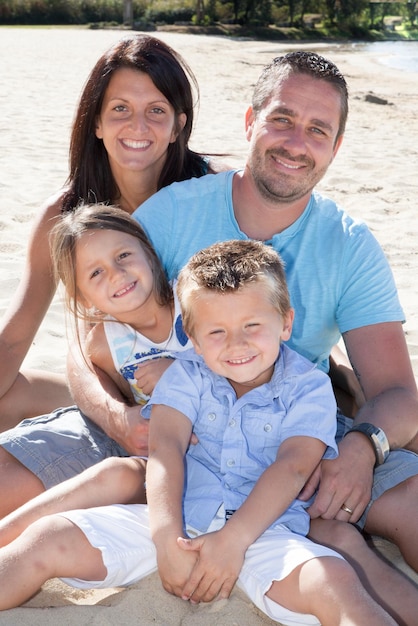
{"points": [[121, 533]]}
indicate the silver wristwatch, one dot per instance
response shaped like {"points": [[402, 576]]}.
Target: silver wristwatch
{"points": [[377, 438]]}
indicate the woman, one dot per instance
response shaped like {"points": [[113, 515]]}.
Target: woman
{"points": [[129, 138]]}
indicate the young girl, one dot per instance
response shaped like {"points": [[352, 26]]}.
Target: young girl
{"points": [[113, 277]]}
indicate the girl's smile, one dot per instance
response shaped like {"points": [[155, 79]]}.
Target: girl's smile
{"points": [[113, 273]]}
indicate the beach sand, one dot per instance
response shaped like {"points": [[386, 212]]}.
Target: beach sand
{"points": [[374, 177]]}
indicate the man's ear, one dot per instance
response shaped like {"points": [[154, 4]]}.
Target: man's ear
{"points": [[249, 122], [337, 145]]}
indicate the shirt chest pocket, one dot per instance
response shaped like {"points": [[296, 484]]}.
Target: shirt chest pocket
{"points": [[262, 433], [211, 426]]}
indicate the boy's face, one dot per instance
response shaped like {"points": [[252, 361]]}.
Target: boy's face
{"points": [[239, 333]]}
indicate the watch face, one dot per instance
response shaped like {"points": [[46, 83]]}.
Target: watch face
{"points": [[383, 440], [381, 445]]}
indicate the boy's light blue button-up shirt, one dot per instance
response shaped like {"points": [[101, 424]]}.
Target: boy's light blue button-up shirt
{"points": [[239, 438]]}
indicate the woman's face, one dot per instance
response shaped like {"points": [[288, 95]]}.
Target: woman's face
{"points": [[136, 124]]}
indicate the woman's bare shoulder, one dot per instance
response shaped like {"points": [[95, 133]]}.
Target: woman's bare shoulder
{"points": [[48, 212]]}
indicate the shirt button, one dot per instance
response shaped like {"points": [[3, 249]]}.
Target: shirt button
{"points": [[211, 417], [268, 428], [230, 462], [232, 423]]}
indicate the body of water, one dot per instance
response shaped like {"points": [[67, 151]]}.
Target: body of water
{"points": [[401, 55]]}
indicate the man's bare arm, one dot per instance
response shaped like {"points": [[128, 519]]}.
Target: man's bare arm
{"points": [[98, 397]]}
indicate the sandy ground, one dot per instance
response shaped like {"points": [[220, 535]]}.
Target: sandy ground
{"points": [[374, 176]]}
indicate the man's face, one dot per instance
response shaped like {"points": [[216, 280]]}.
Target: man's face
{"points": [[293, 138]]}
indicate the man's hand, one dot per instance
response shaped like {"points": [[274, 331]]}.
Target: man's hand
{"points": [[311, 485], [346, 480], [131, 431], [217, 568]]}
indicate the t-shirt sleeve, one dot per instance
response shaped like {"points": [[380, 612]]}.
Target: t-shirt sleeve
{"points": [[368, 291]]}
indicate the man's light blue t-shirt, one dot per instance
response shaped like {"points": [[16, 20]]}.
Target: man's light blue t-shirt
{"points": [[337, 274]]}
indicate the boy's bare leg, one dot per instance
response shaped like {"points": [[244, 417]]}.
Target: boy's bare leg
{"points": [[112, 481], [51, 547], [390, 588], [328, 588]]}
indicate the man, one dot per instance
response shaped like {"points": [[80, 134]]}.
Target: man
{"points": [[338, 277]]}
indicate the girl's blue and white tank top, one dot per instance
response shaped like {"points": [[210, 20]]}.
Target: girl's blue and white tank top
{"points": [[128, 347]]}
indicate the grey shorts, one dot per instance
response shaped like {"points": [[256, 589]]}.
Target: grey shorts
{"points": [[60, 445], [400, 465]]}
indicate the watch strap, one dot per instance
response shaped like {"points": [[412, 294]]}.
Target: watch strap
{"points": [[377, 438]]}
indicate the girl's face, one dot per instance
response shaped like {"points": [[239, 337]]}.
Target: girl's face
{"points": [[113, 274], [136, 123]]}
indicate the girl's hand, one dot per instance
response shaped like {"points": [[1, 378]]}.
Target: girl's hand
{"points": [[174, 567], [148, 373]]}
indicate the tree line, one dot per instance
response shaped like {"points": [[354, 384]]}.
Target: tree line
{"points": [[351, 15]]}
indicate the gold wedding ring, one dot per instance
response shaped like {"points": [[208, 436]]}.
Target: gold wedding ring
{"points": [[346, 509]]}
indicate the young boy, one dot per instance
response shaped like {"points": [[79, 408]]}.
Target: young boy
{"points": [[264, 417]]}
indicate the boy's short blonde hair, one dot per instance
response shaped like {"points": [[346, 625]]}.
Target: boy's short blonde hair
{"points": [[229, 266]]}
